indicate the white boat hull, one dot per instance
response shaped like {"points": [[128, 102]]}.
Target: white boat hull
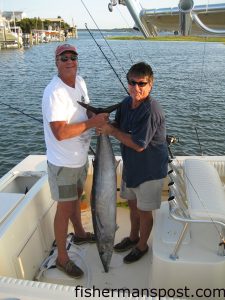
{"points": [[26, 237]]}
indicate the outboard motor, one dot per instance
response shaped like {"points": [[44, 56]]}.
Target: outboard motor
{"points": [[185, 8]]}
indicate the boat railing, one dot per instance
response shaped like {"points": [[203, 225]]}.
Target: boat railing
{"points": [[196, 195]]}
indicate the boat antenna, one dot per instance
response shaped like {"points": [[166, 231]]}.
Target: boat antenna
{"points": [[106, 58], [103, 36]]}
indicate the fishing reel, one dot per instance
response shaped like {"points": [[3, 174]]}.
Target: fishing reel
{"points": [[111, 4], [114, 3], [221, 249], [171, 139]]}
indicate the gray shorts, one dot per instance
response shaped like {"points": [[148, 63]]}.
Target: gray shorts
{"points": [[147, 194], [65, 182]]}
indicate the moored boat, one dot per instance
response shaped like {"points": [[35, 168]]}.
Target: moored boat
{"points": [[9, 37]]}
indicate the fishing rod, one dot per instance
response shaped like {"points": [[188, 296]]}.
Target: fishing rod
{"points": [[107, 45], [103, 36], [199, 143], [200, 94], [201, 81], [175, 140], [20, 111], [38, 120], [135, 31], [106, 58]]}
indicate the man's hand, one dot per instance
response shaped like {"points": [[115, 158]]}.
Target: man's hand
{"points": [[99, 120], [105, 129]]}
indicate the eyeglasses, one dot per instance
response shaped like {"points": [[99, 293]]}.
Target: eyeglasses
{"points": [[65, 58], [140, 83]]}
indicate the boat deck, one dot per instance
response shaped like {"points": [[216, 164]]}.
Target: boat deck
{"points": [[87, 257]]}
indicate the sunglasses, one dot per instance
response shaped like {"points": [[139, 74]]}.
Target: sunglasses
{"points": [[140, 83], [65, 58]]}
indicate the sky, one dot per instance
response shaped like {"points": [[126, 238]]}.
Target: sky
{"points": [[74, 13]]}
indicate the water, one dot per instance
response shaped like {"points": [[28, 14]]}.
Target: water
{"points": [[189, 83]]}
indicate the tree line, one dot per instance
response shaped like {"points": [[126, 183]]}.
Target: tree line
{"points": [[27, 24]]}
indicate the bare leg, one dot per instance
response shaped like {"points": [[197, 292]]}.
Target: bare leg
{"points": [[76, 219], [146, 223], [134, 220], [61, 222]]}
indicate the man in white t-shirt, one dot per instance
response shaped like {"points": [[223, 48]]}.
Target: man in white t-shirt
{"points": [[67, 137]]}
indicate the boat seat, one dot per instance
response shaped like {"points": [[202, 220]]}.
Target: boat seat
{"points": [[204, 190], [8, 202]]}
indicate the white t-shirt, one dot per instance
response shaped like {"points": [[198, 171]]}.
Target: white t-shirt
{"points": [[59, 103]]}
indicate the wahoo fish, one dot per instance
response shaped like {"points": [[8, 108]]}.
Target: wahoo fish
{"points": [[103, 202], [104, 192]]}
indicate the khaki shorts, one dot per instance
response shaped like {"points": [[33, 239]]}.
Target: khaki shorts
{"points": [[65, 182], [147, 194]]}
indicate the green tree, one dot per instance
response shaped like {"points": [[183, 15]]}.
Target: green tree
{"points": [[27, 25]]}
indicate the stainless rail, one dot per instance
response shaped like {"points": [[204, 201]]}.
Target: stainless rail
{"points": [[178, 210]]}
